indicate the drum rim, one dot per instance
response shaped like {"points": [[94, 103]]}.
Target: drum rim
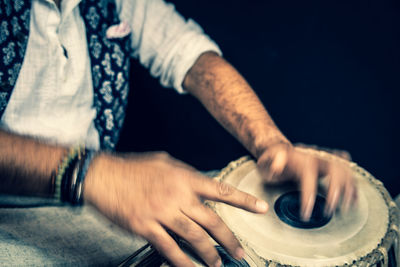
{"points": [[377, 255]]}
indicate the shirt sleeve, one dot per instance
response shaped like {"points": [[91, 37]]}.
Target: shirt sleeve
{"points": [[163, 41]]}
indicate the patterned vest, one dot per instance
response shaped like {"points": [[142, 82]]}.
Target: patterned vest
{"points": [[109, 60]]}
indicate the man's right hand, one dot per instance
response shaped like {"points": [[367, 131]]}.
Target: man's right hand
{"points": [[149, 194]]}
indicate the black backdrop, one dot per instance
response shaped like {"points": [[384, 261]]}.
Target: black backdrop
{"points": [[327, 71]]}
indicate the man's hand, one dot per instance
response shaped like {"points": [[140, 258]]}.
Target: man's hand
{"points": [[149, 194], [283, 162], [230, 99]]}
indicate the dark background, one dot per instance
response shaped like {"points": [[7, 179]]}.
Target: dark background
{"points": [[327, 71]]}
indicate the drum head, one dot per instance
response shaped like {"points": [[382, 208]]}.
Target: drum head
{"points": [[341, 240]]}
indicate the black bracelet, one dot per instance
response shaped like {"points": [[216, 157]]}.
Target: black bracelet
{"points": [[68, 176], [83, 167], [74, 169], [62, 175]]}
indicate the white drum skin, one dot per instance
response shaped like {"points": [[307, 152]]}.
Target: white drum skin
{"points": [[347, 238]]}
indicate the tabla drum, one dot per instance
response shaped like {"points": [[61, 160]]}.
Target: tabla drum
{"points": [[368, 235]]}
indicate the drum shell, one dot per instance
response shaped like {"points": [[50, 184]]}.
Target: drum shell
{"points": [[375, 255]]}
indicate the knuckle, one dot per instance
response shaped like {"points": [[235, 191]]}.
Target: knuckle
{"points": [[152, 236], [162, 155], [224, 189], [182, 224], [167, 250], [214, 222], [137, 225], [249, 200], [196, 235]]}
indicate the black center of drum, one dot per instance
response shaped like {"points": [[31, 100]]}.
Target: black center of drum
{"points": [[287, 207]]}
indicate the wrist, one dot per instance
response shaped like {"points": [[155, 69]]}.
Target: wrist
{"points": [[264, 144], [94, 177]]}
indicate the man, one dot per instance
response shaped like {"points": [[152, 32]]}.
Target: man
{"points": [[64, 82]]}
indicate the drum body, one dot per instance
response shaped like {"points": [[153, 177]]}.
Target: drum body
{"points": [[365, 236]]}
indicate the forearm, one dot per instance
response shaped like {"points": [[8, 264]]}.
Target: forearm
{"points": [[26, 165], [230, 99]]}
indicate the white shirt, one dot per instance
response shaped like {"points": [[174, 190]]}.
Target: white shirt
{"points": [[53, 96]]}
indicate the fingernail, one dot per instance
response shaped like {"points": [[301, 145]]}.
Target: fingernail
{"points": [[328, 210], [261, 206], [306, 214], [239, 253], [218, 263], [332, 204]]}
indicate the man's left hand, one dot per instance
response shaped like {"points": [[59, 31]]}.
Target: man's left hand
{"points": [[284, 162]]}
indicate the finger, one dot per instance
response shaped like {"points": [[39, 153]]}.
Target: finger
{"points": [[279, 162], [167, 246], [219, 191], [213, 224], [334, 190], [308, 183], [349, 191], [272, 164], [263, 164], [197, 238], [347, 198]]}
